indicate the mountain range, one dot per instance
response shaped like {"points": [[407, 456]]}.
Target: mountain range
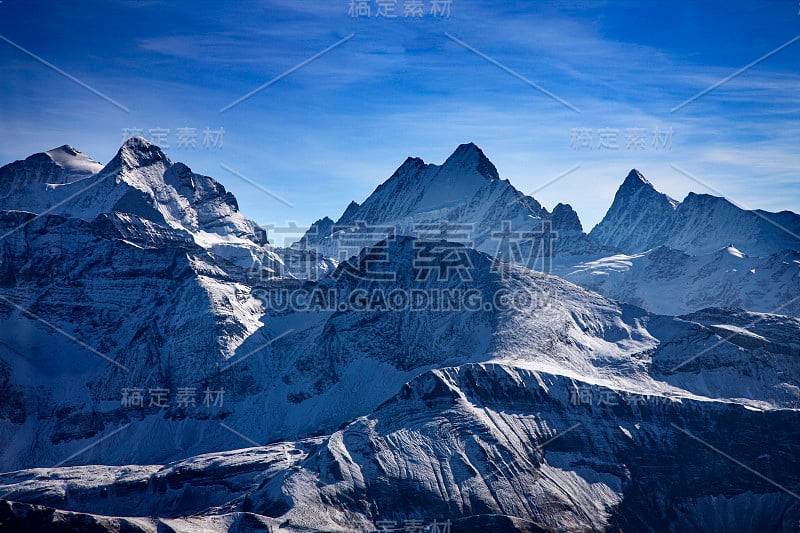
{"points": [[643, 378], [714, 253]]}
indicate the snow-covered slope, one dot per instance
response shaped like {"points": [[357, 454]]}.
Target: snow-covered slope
{"points": [[641, 218], [89, 309], [499, 440], [311, 369], [725, 278], [68, 272], [473, 446]]}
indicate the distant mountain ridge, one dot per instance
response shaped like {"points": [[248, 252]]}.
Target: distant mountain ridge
{"points": [[702, 252], [647, 242], [642, 218]]}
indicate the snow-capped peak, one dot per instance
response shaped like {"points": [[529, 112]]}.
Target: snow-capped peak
{"points": [[634, 220], [51, 169], [137, 152], [636, 178], [565, 218], [73, 160], [469, 157], [636, 183], [139, 180], [417, 187], [466, 190]]}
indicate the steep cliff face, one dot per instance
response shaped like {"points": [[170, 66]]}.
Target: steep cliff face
{"points": [[637, 217]]}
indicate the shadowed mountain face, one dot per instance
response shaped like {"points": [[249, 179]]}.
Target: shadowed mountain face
{"points": [[418, 380], [636, 216]]}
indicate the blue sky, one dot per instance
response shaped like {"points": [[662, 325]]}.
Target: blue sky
{"points": [[332, 130]]}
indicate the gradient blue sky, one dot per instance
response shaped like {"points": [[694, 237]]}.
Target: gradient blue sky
{"points": [[333, 130]]}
